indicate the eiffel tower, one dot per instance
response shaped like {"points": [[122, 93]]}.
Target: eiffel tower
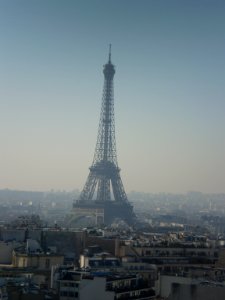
{"points": [[103, 193]]}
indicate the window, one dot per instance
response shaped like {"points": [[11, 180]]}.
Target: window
{"points": [[71, 284], [47, 263]]}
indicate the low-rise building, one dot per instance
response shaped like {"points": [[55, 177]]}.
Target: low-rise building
{"points": [[101, 285]]}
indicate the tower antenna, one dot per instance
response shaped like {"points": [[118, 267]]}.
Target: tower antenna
{"points": [[110, 46]]}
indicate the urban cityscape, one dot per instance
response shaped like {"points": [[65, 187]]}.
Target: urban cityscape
{"points": [[122, 197]]}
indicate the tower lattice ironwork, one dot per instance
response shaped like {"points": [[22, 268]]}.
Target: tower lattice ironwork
{"points": [[104, 187]]}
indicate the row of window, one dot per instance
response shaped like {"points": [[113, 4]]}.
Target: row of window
{"points": [[71, 284], [69, 294]]}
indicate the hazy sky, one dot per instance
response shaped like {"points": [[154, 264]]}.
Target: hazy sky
{"points": [[169, 92]]}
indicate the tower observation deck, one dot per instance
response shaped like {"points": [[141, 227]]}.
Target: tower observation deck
{"points": [[103, 192]]}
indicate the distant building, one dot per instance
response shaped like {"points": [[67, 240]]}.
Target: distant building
{"points": [[39, 261], [182, 288]]}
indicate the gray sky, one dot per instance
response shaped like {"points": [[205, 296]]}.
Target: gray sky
{"points": [[169, 92]]}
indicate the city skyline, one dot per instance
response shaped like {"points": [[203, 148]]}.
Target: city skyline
{"points": [[169, 92]]}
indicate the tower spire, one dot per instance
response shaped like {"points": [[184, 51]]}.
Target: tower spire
{"points": [[110, 46]]}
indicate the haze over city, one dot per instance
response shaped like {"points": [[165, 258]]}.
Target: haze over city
{"points": [[169, 92]]}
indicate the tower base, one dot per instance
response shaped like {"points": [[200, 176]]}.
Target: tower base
{"points": [[103, 212]]}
